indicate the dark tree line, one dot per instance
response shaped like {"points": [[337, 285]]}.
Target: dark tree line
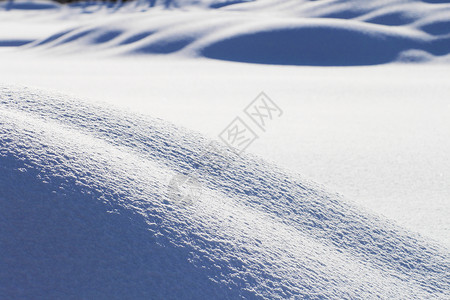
{"points": [[72, 1]]}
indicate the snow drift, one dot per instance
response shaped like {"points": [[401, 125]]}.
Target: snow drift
{"points": [[85, 213], [331, 33]]}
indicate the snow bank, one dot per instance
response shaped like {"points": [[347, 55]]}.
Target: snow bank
{"points": [[287, 32], [85, 213]]}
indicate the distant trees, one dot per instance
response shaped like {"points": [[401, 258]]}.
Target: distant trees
{"points": [[71, 1], [151, 3]]}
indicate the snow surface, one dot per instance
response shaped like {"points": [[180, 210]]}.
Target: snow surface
{"points": [[86, 209], [377, 32], [85, 213]]}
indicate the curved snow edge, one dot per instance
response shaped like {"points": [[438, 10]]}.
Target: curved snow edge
{"points": [[85, 212]]}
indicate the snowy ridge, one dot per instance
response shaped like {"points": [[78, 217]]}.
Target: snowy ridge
{"points": [[89, 186], [283, 32]]}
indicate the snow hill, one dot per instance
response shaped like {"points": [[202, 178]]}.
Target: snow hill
{"points": [[88, 208], [85, 213], [286, 32]]}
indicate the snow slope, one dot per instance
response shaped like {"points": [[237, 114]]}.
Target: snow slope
{"points": [[376, 134], [85, 213], [86, 209], [286, 32]]}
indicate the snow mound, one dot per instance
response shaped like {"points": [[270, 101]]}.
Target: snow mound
{"points": [[29, 5], [86, 212], [287, 32]]}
